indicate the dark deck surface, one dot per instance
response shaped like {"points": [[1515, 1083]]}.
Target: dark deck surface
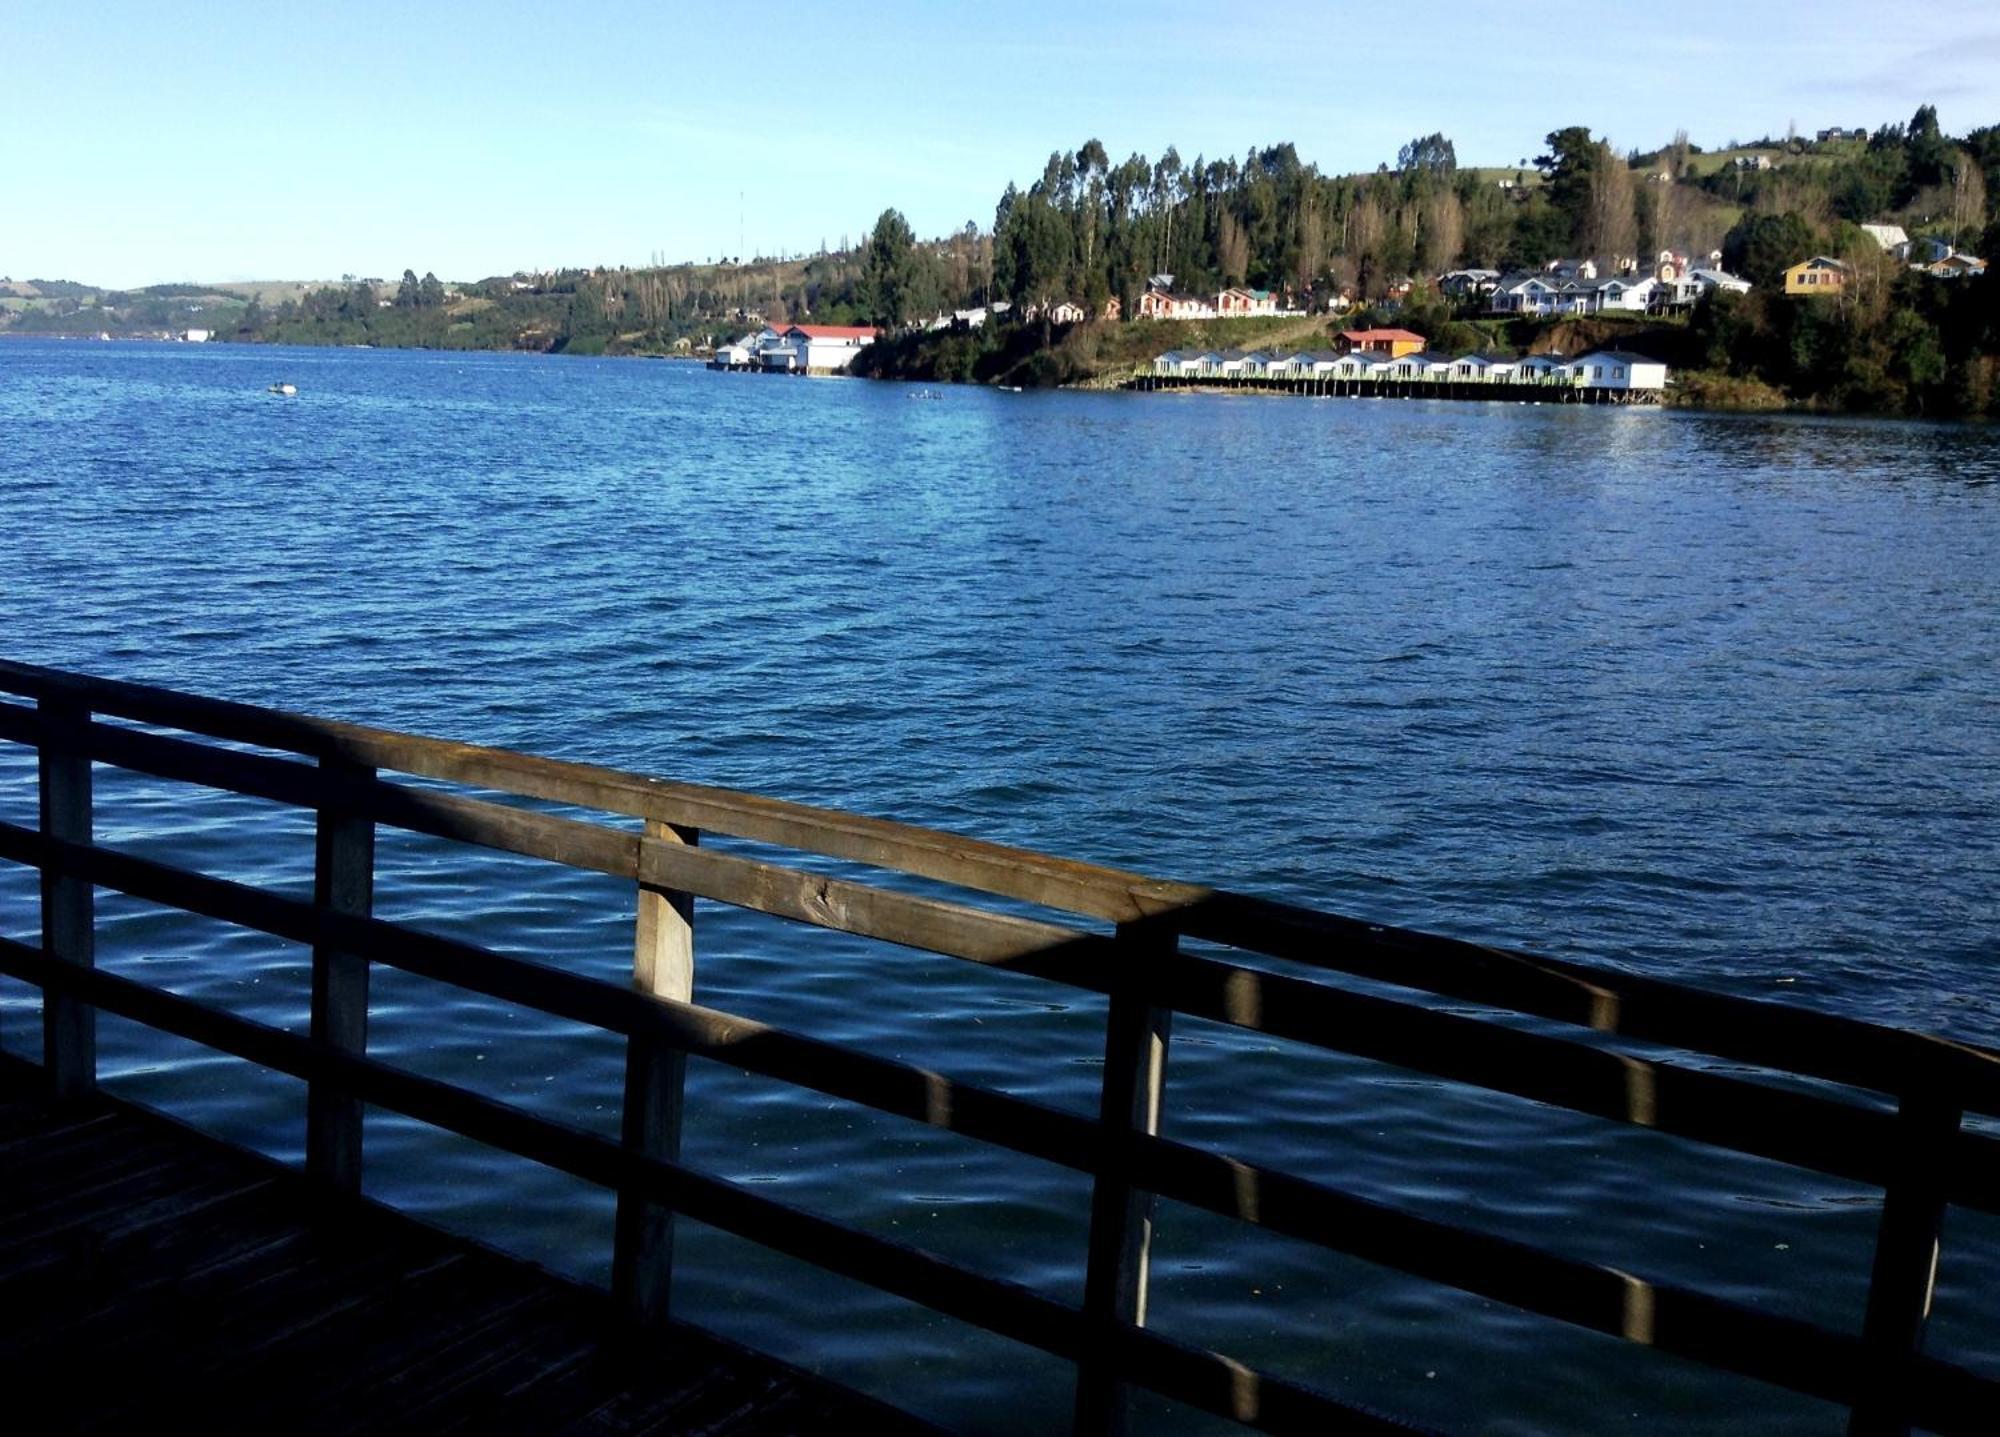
{"points": [[152, 1280]]}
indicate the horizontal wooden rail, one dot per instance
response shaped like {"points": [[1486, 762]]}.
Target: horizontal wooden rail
{"points": [[1723, 1025], [1804, 1129], [927, 853], [1749, 1030], [955, 930], [1201, 1377], [901, 1089]]}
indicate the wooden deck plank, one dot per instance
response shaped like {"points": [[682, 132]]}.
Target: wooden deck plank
{"points": [[228, 1294]]}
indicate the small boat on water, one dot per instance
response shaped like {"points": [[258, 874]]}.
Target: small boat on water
{"points": [[284, 388]]}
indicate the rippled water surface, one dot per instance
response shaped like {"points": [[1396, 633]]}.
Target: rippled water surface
{"points": [[1714, 698]]}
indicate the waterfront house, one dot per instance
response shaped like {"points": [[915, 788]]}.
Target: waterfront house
{"points": [[1316, 363], [1616, 369], [1177, 365], [1421, 364], [1820, 275], [1208, 364], [813, 348], [1239, 301], [739, 354], [1482, 368], [1392, 342], [1363, 364], [1542, 369]]}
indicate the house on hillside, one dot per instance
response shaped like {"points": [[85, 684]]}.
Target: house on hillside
{"points": [[1067, 312], [1159, 302], [1687, 291], [1889, 237], [1620, 292], [1468, 283], [1957, 266], [1395, 343], [1820, 275], [1239, 301]]}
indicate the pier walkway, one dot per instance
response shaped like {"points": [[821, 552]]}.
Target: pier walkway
{"points": [[152, 1279], [140, 1271]]}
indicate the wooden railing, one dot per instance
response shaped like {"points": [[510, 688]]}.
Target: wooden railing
{"points": [[1128, 948]]}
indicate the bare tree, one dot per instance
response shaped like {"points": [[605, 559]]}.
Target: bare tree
{"points": [[1611, 229]]}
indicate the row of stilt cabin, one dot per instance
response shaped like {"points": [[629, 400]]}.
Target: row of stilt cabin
{"points": [[1606, 369]]}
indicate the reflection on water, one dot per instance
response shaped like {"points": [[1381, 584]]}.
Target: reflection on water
{"points": [[1710, 697]]}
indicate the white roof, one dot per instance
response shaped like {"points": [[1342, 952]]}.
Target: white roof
{"points": [[1886, 235]]}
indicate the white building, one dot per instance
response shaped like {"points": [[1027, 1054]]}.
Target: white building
{"points": [[813, 348], [1615, 369], [195, 336], [1690, 287], [1889, 237]]}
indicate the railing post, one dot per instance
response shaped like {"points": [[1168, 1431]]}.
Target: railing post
{"points": [[642, 1260], [1121, 1215], [69, 902], [1906, 1258], [343, 882]]}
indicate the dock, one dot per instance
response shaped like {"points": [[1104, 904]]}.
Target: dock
{"points": [[142, 1267], [153, 1279]]}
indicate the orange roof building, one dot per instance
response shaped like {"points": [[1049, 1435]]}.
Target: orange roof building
{"points": [[1393, 342]]}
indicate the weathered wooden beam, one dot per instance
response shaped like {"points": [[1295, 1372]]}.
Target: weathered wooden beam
{"points": [[343, 882], [1137, 1027], [642, 1260], [1904, 1276], [69, 1027]]}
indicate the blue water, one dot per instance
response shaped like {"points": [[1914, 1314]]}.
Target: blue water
{"points": [[1708, 697]]}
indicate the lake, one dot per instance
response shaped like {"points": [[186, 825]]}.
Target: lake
{"points": [[1710, 697]]}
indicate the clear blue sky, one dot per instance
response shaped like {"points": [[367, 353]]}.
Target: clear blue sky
{"points": [[142, 142]]}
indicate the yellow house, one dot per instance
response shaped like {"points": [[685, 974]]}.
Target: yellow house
{"points": [[1818, 275]]}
